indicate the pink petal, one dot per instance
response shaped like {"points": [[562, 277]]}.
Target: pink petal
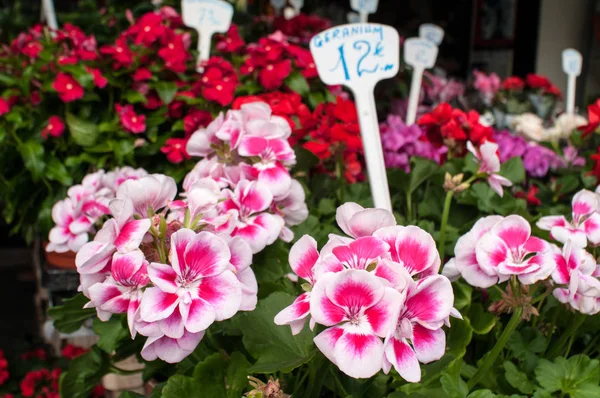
{"points": [[164, 277], [591, 227], [121, 210], [326, 341], [170, 350], [93, 257], [383, 316], [179, 242], [404, 359], [81, 225], [103, 293], [584, 202], [535, 245], [411, 247], [277, 178], [255, 235], [173, 326], [296, 311], [543, 269], [247, 279], [476, 276], [252, 146], [272, 223], [322, 309], [562, 271], [303, 256], [564, 234], [356, 221], [491, 251], [354, 290], [394, 273], [241, 253], [359, 355], [362, 252], [125, 266], [431, 300], [489, 157], [513, 230], [223, 292], [157, 305], [429, 345], [205, 255], [548, 222], [255, 196], [131, 235], [201, 315]]}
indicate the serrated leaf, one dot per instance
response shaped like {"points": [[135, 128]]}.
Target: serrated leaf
{"points": [[481, 320], [274, 347], [296, 82], [32, 153], [223, 377], [110, 333], [576, 375], [84, 133], [71, 315], [180, 386], [83, 374], [452, 383], [513, 170], [421, 170], [518, 379]]}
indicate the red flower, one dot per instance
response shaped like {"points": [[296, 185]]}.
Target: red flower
{"points": [[530, 196], [87, 49], [4, 375], [286, 105], [120, 52], [513, 83], [99, 80], [38, 353], [174, 53], [142, 74], [304, 61], [218, 81], [131, 121], [175, 150], [68, 59], [537, 81], [353, 168], [147, 29], [194, 120], [593, 119], [302, 27], [4, 106], [267, 59], [54, 128], [454, 125], [32, 49], [67, 87], [231, 42], [35, 97], [42, 382], [552, 90], [434, 120], [71, 351]]}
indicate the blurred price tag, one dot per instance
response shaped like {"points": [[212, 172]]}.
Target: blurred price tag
{"points": [[571, 62], [207, 17], [297, 4], [364, 8], [432, 33], [278, 5], [420, 54]]}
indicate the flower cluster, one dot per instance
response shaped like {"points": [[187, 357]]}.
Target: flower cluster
{"points": [[377, 292], [401, 142], [489, 165], [86, 203], [301, 27], [533, 82], [486, 85], [453, 127], [41, 383], [4, 374]]}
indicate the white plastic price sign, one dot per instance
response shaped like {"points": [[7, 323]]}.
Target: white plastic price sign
{"points": [[297, 4], [358, 56], [571, 63], [353, 17], [49, 14], [420, 54], [432, 33], [207, 17], [364, 8], [278, 5]]}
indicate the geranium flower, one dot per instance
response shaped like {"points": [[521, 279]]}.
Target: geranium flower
{"points": [[122, 291], [489, 164], [537, 81], [171, 350], [419, 336], [513, 83], [530, 196], [576, 269], [359, 310], [194, 120], [4, 106], [54, 128], [67, 87], [593, 119], [356, 221], [219, 81], [130, 120], [32, 49], [584, 225], [147, 29], [71, 230], [197, 287], [509, 249], [120, 52], [250, 199], [99, 80], [142, 74], [231, 42], [487, 85], [174, 53], [152, 192], [174, 148]]}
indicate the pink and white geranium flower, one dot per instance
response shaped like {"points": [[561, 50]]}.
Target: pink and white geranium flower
{"points": [[71, 230], [584, 225], [152, 192], [509, 249], [489, 164]]}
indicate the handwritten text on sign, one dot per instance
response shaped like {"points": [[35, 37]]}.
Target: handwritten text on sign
{"points": [[210, 15], [366, 6], [432, 33], [356, 54], [420, 53]]}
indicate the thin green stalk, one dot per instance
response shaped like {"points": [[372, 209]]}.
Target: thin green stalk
{"points": [[552, 325], [408, 206], [564, 338], [592, 346], [489, 361], [119, 371], [445, 215], [338, 382]]}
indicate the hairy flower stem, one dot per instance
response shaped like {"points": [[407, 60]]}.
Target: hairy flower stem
{"points": [[564, 338], [515, 320]]}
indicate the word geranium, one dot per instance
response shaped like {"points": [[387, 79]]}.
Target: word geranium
{"points": [[378, 292]]}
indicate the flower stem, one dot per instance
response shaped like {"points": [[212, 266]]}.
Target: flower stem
{"points": [[445, 214], [564, 338], [408, 206], [489, 361]]}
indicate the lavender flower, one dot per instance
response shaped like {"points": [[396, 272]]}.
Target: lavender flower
{"points": [[510, 145], [538, 160]]}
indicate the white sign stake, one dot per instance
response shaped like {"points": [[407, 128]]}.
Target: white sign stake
{"points": [[278, 5], [420, 54], [207, 17], [297, 4], [432, 33], [353, 17], [358, 56], [364, 8], [571, 63], [49, 14]]}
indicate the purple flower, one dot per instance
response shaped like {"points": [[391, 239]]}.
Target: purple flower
{"points": [[570, 155], [538, 160], [401, 142], [510, 145]]}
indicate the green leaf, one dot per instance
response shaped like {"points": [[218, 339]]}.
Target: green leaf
{"points": [[513, 170], [462, 294], [32, 153], [481, 320], [274, 347], [459, 337], [576, 376], [133, 97], [110, 332], [296, 82], [180, 386], [131, 394], [84, 133], [518, 379], [421, 170], [57, 171], [71, 315], [327, 206], [452, 383], [482, 394], [525, 345], [166, 91], [84, 373], [223, 377]]}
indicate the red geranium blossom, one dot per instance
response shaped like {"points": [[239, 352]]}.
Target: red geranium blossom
{"points": [[218, 81], [304, 61], [71, 351], [99, 80], [67, 87], [231, 42], [120, 52], [302, 27], [147, 29], [131, 121], [4, 375], [267, 59], [530, 196], [175, 150], [195, 119], [32, 49], [596, 169], [41, 383], [174, 52], [54, 128], [4, 106], [537, 81], [593, 119], [513, 83], [142, 74], [38, 353]]}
